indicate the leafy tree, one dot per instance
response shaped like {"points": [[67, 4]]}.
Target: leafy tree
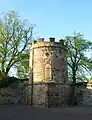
{"points": [[23, 68], [15, 38], [78, 62], [90, 79]]}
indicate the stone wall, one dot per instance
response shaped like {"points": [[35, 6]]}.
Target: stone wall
{"points": [[16, 93], [50, 94], [40, 97], [44, 94], [57, 95], [84, 94]]}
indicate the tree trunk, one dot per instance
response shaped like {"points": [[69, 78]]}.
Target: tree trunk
{"points": [[73, 97], [73, 88]]}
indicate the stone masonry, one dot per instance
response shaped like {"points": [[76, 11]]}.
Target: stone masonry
{"points": [[48, 84], [48, 61], [45, 94], [48, 66]]}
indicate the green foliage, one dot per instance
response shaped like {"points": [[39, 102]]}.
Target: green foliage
{"points": [[15, 39], [78, 62], [6, 81], [90, 78], [23, 67]]}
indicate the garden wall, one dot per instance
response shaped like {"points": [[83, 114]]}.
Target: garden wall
{"points": [[44, 94]]}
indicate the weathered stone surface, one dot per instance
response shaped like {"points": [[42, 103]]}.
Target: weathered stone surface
{"points": [[48, 72], [14, 94], [44, 95], [40, 98], [48, 62]]}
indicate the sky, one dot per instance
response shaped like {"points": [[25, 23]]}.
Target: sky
{"points": [[54, 18]]}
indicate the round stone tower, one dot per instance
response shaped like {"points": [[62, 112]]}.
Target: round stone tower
{"points": [[48, 61]]}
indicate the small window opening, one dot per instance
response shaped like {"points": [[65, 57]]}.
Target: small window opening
{"points": [[47, 54]]}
